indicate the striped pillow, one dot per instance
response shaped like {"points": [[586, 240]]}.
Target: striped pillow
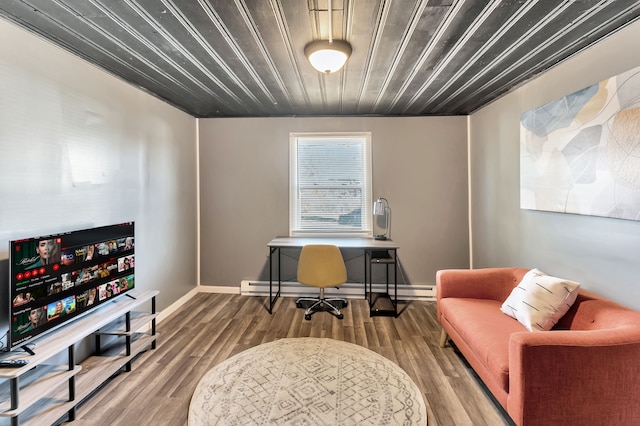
{"points": [[540, 300]]}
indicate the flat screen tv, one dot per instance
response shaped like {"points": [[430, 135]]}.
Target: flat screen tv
{"points": [[55, 278]]}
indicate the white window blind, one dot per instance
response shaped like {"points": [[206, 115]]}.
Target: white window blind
{"points": [[330, 184]]}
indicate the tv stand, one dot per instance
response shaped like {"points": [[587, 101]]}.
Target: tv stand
{"points": [[51, 392]]}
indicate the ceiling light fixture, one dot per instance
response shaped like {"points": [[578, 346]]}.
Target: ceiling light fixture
{"points": [[328, 56]]}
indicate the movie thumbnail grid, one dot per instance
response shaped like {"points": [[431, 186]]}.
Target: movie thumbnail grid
{"points": [[92, 273], [94, 251], [30, 319]]}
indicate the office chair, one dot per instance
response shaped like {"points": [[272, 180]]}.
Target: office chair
{"points": [[321, 265]]}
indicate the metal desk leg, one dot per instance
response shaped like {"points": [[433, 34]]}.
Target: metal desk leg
{"points": [[366, 256], [272, 299], [395, 282], [270, 276], [368, 279], [366, 290]]}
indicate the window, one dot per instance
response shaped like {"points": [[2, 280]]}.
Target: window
{"points": [[330, 184]]}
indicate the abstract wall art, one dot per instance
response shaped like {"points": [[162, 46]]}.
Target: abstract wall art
{"points": [[581, 153]]}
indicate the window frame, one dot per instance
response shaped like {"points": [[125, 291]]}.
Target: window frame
{"points": [[366, 224]]}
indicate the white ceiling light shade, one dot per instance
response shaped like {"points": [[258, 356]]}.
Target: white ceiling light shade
{"points": [[328, 56]]}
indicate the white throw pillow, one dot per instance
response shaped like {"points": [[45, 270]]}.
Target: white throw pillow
{"points": [[539, 300]]}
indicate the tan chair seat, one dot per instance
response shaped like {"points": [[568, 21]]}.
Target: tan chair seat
{"points": [[322, 266]]}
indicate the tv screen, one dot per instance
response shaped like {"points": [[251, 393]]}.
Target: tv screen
{"points": [[54, 278]]}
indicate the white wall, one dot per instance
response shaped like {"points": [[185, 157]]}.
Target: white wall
{"points": [[419, 165], [601, 253], [81, 148]]}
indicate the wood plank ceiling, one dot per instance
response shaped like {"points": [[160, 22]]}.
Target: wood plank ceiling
{"points": [[245, 58]]}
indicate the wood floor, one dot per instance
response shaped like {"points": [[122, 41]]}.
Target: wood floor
{"points": [[212, 327]]}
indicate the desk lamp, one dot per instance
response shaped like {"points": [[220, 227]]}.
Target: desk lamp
{"points": [[381, 208]]}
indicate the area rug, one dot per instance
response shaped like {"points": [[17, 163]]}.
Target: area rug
{"points": [[307, 381]]}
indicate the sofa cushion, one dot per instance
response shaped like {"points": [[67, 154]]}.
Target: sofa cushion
{"points": [[485, 330], [540, 300], [591, 312]]}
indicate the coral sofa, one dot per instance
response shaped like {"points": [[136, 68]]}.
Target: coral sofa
{"points": [[586, 370]]}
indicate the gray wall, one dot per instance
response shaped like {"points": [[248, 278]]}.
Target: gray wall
{"points": [[80, 148], [601, 253], [419, 165]]}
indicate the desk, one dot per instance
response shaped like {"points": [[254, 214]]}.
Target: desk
{"points": [[368, 245]]}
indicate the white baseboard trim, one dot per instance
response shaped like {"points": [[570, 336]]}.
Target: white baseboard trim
{"points": [[348, 290], [176, 305], [294, 289], [218, 289]]}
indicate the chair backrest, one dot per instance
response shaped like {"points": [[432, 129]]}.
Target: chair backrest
{"points": [[321, 265]]}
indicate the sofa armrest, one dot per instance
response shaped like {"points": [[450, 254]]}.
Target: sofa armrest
{"points": [[574, 377], [488, 283]]}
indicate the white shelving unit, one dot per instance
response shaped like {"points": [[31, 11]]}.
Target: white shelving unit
{"points": [[41, 393]]}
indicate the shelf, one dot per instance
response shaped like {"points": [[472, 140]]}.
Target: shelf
{"points": [[382, 305], [95, 370], [34, 386], [99, 367], [138, 321], [12, 373], [53, 343], [47, 411], [382, 256], [47, 393]]}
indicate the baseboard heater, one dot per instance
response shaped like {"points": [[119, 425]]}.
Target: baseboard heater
{"points": [[348, 290]]}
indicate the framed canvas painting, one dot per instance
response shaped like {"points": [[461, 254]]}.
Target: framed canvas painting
{"points": [[581, 153]]}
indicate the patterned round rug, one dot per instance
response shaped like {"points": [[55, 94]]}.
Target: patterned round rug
{"points": [[307, 381]]}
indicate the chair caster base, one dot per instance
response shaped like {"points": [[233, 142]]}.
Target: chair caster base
{"points": [[312, 305]]}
